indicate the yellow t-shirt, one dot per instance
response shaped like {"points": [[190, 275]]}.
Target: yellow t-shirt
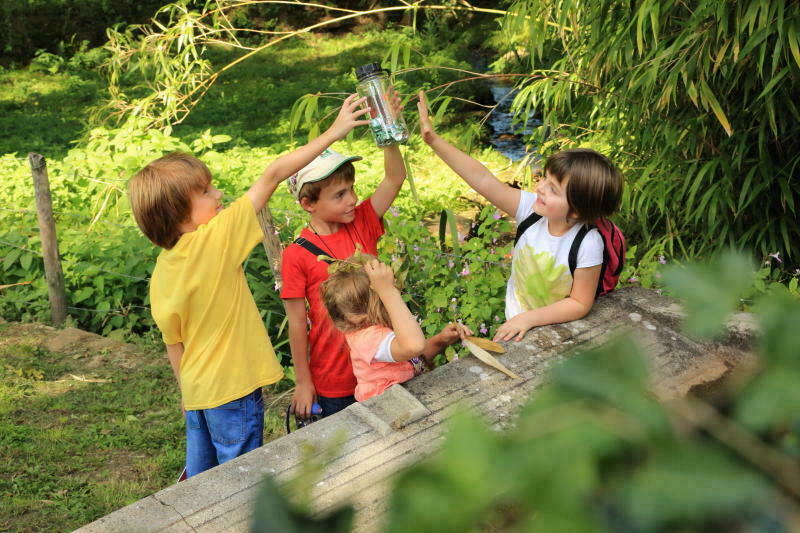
{"points": [[199, 296]]}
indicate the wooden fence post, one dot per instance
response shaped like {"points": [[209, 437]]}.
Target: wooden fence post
{"points": [[47, 231], [272, 244]]}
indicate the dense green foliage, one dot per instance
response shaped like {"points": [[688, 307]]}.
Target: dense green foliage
{"points": [[697, 101], [593, 450], [63, 26]]}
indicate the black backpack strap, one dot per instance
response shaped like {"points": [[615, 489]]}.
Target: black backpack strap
{"points": [[313, 248], [529, 221], [572, 259]]}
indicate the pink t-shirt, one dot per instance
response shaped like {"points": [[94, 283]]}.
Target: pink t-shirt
{"points": [[374, 377]]}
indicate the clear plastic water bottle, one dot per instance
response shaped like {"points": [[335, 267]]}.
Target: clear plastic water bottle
{"points": [[373, 82]]}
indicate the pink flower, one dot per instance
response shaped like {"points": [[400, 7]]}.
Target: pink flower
{"points": [[465, 272], [483, 329], [633, 279], [662, 259], [497, 215], [394, 211], [777, 257]]}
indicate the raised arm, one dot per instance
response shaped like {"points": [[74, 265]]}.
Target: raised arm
{"points": [[287, 164], [472, 171], [394, 171], [409, 341]]}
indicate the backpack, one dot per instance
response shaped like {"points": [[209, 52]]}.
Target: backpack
{"points": [[613, 250]]}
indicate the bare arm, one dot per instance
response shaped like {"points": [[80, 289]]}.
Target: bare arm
{"points": [[394, 171], [286, 165], [298, 344], [175, 354], [409, 341], [472, 171], [449, 335], [395, 175], [575, 306]]}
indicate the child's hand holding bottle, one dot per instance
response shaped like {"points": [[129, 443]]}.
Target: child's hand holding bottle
{"points": [[347, 119]]}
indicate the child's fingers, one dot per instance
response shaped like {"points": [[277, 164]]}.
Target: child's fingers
{"points": [[352, 103]]}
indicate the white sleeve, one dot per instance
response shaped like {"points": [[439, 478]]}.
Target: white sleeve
{"points": [[384, 353], [525, 207], [591, 251]]}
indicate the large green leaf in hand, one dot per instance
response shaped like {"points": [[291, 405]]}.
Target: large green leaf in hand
{"points": [[538, 280]]}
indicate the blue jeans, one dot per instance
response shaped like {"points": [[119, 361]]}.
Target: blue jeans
{"points": [[334, 405], [219, 434]]}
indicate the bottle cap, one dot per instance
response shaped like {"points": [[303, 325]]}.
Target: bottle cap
{"points": [[365, 71]]}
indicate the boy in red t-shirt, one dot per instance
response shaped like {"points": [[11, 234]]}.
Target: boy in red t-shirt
{"points": [[337, 223]]}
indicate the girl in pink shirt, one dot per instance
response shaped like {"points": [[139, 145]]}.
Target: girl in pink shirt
{"points": [[387, 345]]}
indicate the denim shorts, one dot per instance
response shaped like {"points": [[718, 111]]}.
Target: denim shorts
{"points": [[332, 406], [222, 433]]}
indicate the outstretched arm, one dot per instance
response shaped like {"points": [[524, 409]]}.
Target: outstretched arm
{"points": [[472, 171], [288, 164], [450, 334]]}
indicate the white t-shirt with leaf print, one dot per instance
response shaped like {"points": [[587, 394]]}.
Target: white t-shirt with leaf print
{"points": [[540, 264]]}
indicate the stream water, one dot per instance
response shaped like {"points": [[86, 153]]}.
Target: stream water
{"points": [[508, 136]]}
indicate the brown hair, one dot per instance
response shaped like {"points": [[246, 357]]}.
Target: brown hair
{"points": [[347, 296], [160, 195], [594, 186], [344, 174]]}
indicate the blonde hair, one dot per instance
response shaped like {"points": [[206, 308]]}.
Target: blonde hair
{"points": [[160, 195], [347, 296]]}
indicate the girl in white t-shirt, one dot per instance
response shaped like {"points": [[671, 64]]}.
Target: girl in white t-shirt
{"points": [[386, 343], [579, 187]]}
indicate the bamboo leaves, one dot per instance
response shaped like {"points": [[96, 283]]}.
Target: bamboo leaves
{"points": [[654, 84]]}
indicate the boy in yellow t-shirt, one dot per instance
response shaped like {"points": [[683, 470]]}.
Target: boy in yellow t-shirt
{"points": [[216, 341]]}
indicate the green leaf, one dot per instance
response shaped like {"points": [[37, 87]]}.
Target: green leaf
{"points": [[791, 36], [710, 292], [687, 483], [711, 100]]}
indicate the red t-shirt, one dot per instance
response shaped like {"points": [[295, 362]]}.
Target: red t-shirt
{"points": [[331, 369]]}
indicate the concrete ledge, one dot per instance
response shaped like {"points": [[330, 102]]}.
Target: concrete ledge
{"points": [[390, 432], [390, 411]]}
